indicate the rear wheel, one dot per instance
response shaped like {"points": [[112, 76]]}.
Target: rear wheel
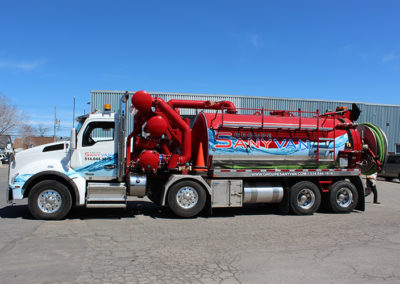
{"points": [[186, 198], [343, 197], [388, 178], [305, 198], [49, 200]]}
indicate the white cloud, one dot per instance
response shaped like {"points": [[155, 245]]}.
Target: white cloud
{"points": [[46, 123], [254, 40], [390, 57], [346, 48], [23, 65]]}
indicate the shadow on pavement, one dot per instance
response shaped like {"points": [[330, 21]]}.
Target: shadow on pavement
{"points": [[16, 211], [147, 208], [144, 208]]}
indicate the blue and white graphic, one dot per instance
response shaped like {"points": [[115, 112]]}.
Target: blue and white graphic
{"points": [[224, 143]]}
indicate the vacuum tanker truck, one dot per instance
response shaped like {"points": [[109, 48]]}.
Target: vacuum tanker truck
{"points": [[226, 157]]}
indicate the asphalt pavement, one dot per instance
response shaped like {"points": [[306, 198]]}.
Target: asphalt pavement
{"points": [[147, 244]]}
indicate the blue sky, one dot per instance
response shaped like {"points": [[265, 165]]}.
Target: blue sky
{"points": [[51, 51]]}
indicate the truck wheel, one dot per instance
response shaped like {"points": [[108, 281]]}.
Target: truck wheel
{"points": [[388, 178], [186, 198], [305, 198], [343, 197], [49, 200]]}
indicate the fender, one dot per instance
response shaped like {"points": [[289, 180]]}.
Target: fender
{"points": [[175, 178], [39, 175]]}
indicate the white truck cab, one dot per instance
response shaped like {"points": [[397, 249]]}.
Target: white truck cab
{"points": [[55, 176]]}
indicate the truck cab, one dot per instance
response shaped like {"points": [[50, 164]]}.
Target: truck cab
{"points": [[58, 175]]}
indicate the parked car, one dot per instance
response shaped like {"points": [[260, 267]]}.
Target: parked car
{"points": [[391, 168], [6, 160]]}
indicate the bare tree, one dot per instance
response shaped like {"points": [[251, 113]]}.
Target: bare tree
{"points": [[41, 129], [26, 133], [10, 116]]}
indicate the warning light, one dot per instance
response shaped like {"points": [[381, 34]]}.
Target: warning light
{"points": [[342, 108], [107, 107]]}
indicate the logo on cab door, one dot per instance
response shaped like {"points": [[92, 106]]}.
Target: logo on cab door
{"points": [[98, 156]]}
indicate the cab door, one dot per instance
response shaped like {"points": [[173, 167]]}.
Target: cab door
{"points": [[95, 155]]}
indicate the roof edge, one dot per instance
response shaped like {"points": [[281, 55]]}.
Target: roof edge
{"points": [[242, 96]]}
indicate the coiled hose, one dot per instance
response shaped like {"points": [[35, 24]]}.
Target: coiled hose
{"points": [[381, 146]]}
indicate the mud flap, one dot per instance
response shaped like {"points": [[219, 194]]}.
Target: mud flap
{"points": [[357, 181], [284, 207]]}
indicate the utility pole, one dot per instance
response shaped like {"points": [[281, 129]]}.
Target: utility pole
{"points": [[55, 124]]}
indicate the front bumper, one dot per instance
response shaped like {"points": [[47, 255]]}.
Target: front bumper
{"points": [[13, 193], [9, 195]]}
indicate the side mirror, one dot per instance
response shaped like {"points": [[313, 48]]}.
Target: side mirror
{"points": [[73, 139]]}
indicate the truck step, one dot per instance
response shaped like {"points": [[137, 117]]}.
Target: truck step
{"points": [[105, 198], [106, 205], [106, 195]]}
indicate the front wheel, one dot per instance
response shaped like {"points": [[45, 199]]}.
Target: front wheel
{"points": [[186, 198], [343, 197], [305, 198], [49, 200]]}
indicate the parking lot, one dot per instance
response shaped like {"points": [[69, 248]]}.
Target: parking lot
{"points": [[146, 244]]}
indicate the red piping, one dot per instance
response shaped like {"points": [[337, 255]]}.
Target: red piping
{"points": [[181, 124], [229, 106]]}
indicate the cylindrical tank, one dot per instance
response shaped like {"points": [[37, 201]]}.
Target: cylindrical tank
{"points": [[262, 192], [149, 160], [263, 141]]}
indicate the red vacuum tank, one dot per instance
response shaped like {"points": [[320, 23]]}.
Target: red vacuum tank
{"points": [[278, 139]]}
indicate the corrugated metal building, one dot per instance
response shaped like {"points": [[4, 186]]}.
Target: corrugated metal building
{"points": [[386, 117]]}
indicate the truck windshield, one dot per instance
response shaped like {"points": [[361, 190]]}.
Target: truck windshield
{"points": [[80, 120]]}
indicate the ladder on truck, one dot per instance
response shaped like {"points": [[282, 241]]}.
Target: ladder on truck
{"points": [[327, 141]]}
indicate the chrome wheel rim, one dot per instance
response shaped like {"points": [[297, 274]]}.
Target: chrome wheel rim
{"points": [[49, 201], [305, 198], [187, 197], [344, 197]]}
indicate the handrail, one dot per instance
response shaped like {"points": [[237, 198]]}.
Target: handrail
{"points": [[318, 135], [300, 118]]}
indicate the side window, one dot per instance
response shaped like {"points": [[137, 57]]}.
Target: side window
{"points": [[97, 132]]}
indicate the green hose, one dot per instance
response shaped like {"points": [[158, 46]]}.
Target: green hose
{"points": [[380, 139]]}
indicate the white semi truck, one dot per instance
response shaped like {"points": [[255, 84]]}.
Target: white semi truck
{"points": [[225, 160]]}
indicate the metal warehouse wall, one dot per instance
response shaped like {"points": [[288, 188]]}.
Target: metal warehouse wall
{"points": [[386, 117]]}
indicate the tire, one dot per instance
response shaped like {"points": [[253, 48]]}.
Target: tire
{"points": [[49, 200], [343, 197], [304, 198], [186, 198], [388, 178]]}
